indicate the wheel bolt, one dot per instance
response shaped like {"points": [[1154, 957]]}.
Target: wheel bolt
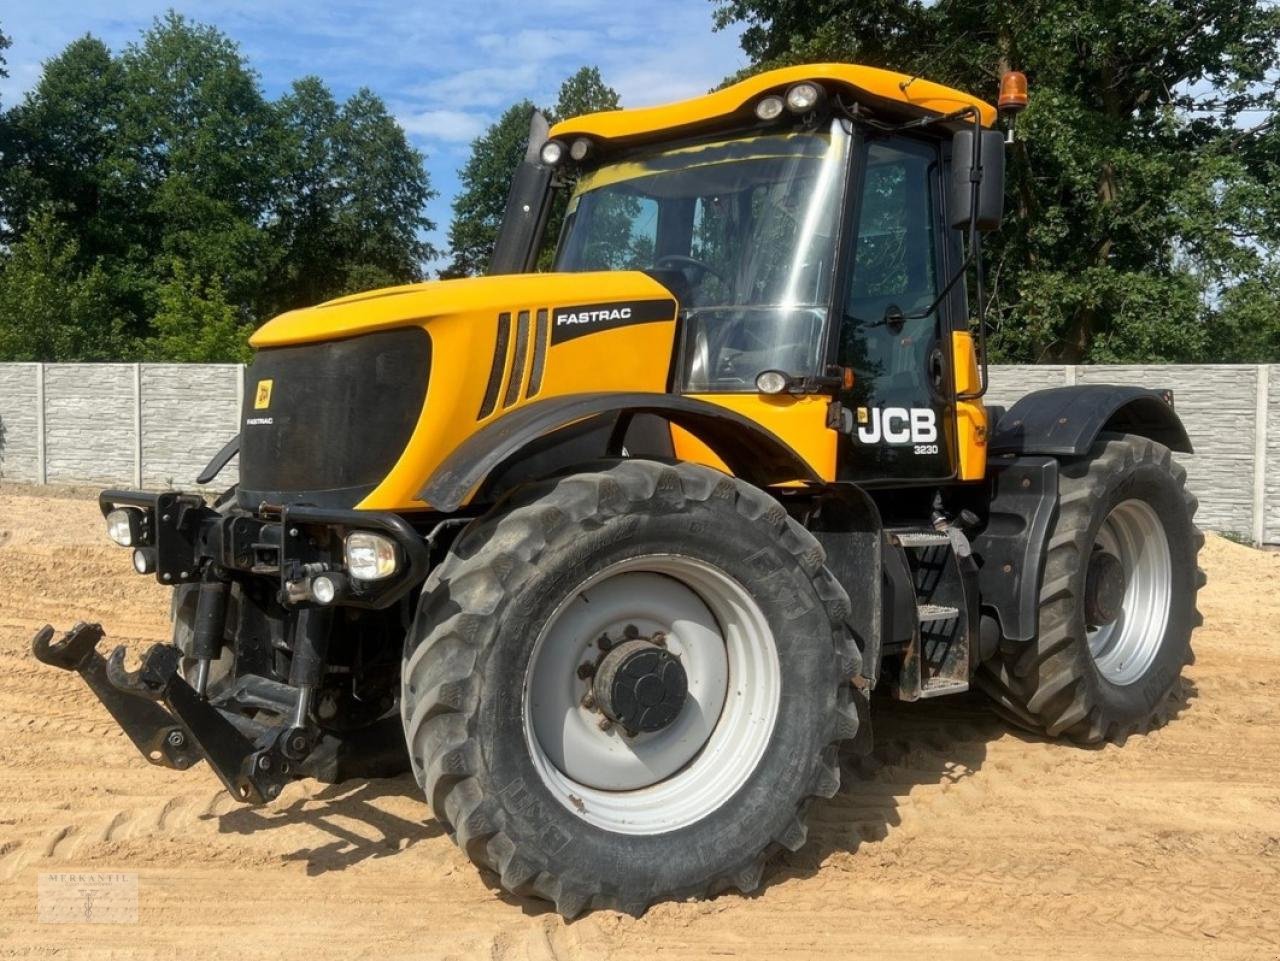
{"points": [[604, 643], [589, 701], [586, 670], [631, 632], [659, 638], [605, 724]]}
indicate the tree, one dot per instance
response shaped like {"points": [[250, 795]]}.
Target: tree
{"points": [[349, 216], [486, 177], [163, 182], [50, 308], [5, 43], [61, 151], [194, 323], [1138, 203]]}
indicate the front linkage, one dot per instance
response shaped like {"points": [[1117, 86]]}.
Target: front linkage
{"points": [[175, 724], [167, 720]]}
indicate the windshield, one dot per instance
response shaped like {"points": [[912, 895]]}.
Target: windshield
{"points": [[741, 230]]}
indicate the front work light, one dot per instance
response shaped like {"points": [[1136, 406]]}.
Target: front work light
{"points": [[124, 526], [369, 556], [144, 560], [772, 382], [803, 97], [770, 108], [579, 149], [324, 588], [552, 152]]}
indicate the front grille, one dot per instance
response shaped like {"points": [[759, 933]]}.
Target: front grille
{"points": [[324, 423]]}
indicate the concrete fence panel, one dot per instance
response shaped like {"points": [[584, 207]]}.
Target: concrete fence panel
{"points": [[20, 427], [157, 425], [90, 423], [188, 413]]}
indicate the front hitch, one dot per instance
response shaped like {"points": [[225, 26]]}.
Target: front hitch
{"points": [[188, 730], [153, 731]]}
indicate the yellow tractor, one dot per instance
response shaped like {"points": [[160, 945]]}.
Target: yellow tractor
{"points": [[616, 558]]}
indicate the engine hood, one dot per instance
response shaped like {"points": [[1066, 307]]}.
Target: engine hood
{"points": [[417, 304], [492, 346]]}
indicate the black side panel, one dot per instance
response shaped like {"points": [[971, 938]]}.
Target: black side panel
{"points": [[1065, 421], [751, 452], [1011, 548], [324, 423]]}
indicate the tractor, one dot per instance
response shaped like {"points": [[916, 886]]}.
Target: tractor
{"points": [[617, 557]]}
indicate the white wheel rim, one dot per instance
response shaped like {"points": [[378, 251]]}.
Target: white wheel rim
{"points": [[660, 781], [1124, 649]]}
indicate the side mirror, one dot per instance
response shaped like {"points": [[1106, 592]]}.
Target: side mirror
{"points": [[990, 188]]}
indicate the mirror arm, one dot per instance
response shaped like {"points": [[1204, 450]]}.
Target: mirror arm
{"points": [[975, 255]]}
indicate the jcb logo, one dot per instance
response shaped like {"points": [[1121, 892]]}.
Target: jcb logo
{"points": [[897, 425], [262, 399]]}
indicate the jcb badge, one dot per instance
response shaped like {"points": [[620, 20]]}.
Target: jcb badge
{"points": [[262, 400]]}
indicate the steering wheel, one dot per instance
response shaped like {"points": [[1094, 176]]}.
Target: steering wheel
{"points": [[680, 261]]}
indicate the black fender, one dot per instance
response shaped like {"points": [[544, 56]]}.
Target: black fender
{"points": [[750, 451], [1065, 421], [847, 523], [1011, 546]]}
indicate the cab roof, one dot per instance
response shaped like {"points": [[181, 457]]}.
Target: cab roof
{"points": [[871, 86]]}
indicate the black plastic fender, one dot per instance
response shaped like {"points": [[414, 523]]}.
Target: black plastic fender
{"points": [[1065, 421], [750, 451]]}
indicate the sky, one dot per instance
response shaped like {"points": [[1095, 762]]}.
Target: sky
{"points": [[446, 68]]}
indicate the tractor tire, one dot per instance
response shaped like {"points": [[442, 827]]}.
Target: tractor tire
{"points": [[574, 582], [1092, 674]]}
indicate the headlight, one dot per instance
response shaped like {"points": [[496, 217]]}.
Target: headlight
{"points": [[369, 556], [770, 108], [803, 97], [124, 525]]}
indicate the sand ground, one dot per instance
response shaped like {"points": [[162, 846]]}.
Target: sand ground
{"points": [[962, 839]]}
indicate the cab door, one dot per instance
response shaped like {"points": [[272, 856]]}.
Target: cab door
{"points": [[900, 412]]}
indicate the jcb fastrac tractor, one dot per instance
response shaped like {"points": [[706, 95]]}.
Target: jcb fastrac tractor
{"points": [[624, 552]]}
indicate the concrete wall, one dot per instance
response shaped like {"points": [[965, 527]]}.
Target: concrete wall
{"points": [[157, 425]]}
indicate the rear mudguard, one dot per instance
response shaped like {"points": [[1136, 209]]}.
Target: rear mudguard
{"points": [[1065, 421]]}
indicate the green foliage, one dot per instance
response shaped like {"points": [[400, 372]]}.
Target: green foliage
{"points": [[49, 305], [1145, 213], [166, 165], [194, 322], [495, 154]]}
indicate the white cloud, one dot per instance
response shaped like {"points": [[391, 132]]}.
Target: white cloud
{"points": [[451, 126]]}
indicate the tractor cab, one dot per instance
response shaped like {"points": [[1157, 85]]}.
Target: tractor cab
{"points": [[812, 227]]}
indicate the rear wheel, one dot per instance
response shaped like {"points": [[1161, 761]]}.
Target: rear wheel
{"points": [[625, 686], [1117, 602]]}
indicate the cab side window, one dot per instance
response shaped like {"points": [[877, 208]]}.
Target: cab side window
{"points": [[894, 263]]}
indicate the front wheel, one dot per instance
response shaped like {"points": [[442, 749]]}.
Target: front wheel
{"points": [[625, 686], [1117, 602]]}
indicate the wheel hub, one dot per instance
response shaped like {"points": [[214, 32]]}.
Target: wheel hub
{"points": [[1105, 586], [641, 686]]}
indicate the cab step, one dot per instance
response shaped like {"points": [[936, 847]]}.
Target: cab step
{"points": [[941, 686], [919, 538], [936, 612]]}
